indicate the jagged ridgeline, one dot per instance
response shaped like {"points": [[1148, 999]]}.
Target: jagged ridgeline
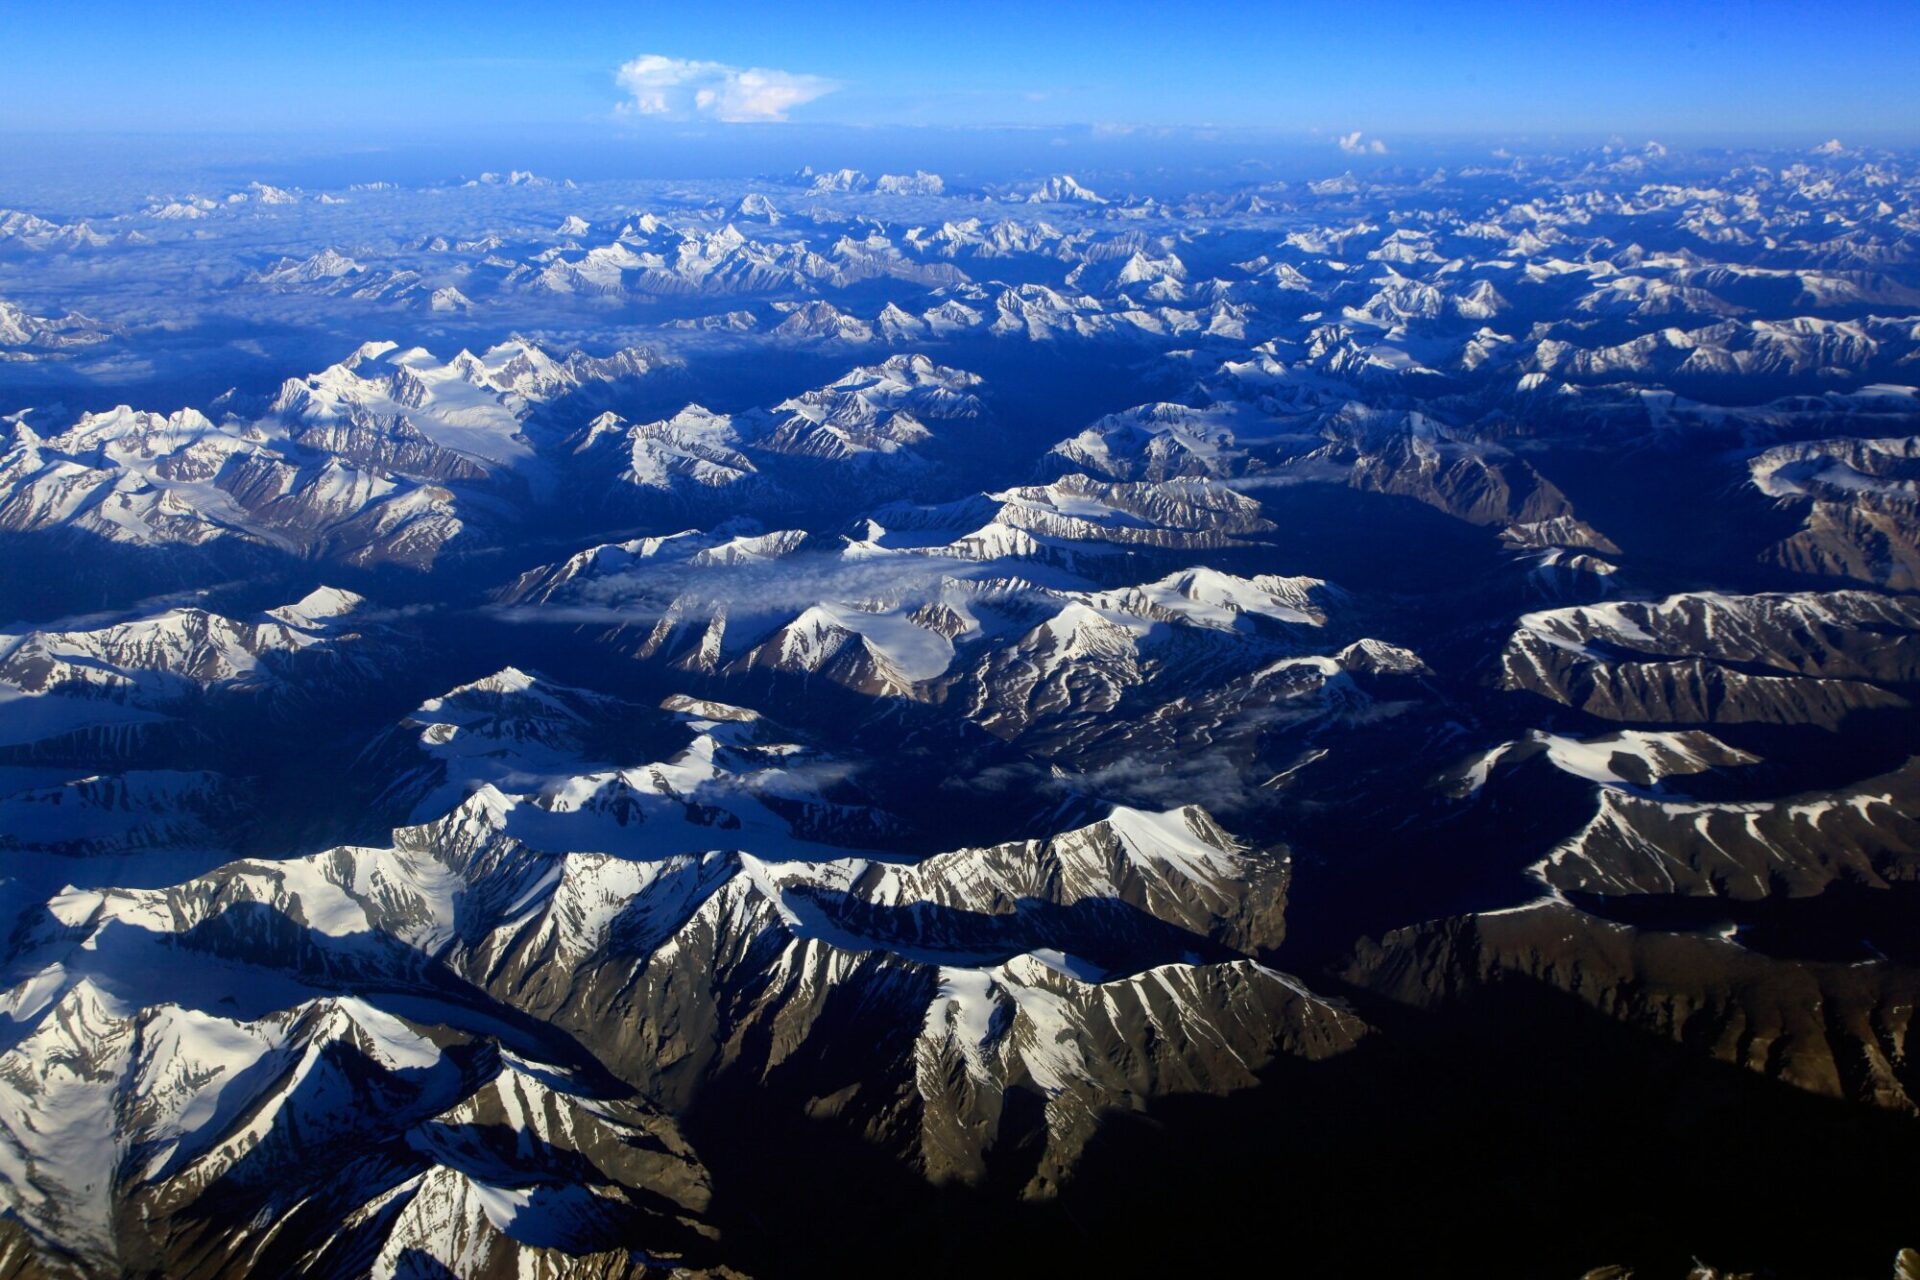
{"points": [[888, 723]]}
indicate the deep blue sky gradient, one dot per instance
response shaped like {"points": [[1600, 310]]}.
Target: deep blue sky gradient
{"points": [[1738, 68]]}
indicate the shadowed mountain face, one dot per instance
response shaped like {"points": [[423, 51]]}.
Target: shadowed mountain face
{"points": [[877, 724]]}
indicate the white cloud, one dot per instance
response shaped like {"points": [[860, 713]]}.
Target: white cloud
{"points": [[1353, 145], [682, 88]]}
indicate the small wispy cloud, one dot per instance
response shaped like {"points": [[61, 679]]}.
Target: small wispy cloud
{"points": [[687, 89], [1354, 145]]}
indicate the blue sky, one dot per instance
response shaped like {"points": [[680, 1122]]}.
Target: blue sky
{"points": [[1747, 68]]}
